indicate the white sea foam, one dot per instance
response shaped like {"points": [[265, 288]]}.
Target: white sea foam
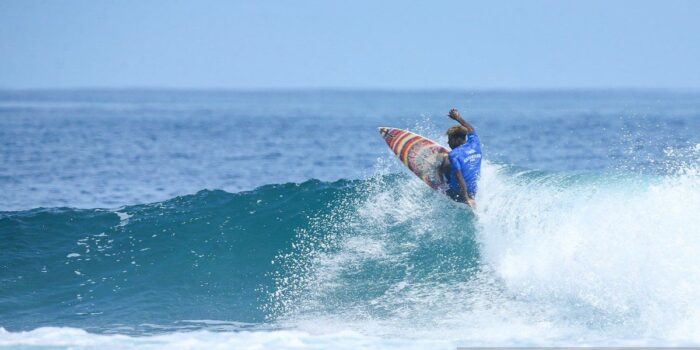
{"points": [[123, 217], [565, 259], [73, 338], [616, 257]]}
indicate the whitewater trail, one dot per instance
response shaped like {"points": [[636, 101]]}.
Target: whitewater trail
{"points": [[549, 258]]}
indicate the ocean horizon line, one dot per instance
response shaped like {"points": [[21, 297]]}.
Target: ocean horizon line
{"points": [[333, 89]]}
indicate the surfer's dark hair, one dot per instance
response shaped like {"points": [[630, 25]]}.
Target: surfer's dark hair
{"points": [[457, 131]]}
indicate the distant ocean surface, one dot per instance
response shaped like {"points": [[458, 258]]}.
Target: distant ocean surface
{"points": [[281, 220]]}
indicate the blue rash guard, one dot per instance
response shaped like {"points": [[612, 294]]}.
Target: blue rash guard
{"points": [[466, 159]]}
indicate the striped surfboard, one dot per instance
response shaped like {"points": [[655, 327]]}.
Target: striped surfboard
{"points": [[421, 155]]}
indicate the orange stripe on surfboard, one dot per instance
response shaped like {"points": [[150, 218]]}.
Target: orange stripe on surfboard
{"points": [[407, 148], [395, 135], [399, 142], [401, 145], [399, 136]]}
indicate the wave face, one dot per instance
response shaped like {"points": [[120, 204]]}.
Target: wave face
{"points": [[547, 258], [205, 254]]}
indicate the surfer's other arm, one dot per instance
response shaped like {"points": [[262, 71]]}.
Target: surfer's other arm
{"points": [[454, 115], [464, 195], [461, 193]]}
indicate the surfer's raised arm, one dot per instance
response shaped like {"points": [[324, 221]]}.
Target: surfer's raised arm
{"points": [[464, 160], [454, 115]]}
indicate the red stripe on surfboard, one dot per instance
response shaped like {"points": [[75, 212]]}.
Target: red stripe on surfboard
{"points": [[407, 148], [401, 145], [399, 136], [394, 135], [397, 145]]}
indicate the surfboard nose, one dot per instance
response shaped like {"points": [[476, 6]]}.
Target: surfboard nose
{"points": [[383, 130]]}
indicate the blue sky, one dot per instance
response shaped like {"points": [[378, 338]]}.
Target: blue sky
{"points": [[350, 44]]}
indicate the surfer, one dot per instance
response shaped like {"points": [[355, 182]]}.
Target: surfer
{"points": [[463, 164]]}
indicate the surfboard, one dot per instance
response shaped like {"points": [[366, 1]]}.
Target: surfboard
{"points": [[421, 155]]}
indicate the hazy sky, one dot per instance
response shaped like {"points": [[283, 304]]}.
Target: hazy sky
{"points": [[349, 44]]}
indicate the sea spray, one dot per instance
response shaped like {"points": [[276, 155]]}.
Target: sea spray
{"points": [[547, 255]]}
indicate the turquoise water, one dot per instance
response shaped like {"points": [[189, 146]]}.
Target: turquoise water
{"points": [[141, 219], [208, 252]]}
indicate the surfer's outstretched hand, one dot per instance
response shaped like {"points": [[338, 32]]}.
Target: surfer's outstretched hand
{"points": [[454, 114]]}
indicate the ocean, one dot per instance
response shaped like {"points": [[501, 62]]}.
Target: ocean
{"points": [[281, 220]]}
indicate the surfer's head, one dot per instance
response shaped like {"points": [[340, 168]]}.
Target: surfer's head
{"points": [[456, 135]]}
